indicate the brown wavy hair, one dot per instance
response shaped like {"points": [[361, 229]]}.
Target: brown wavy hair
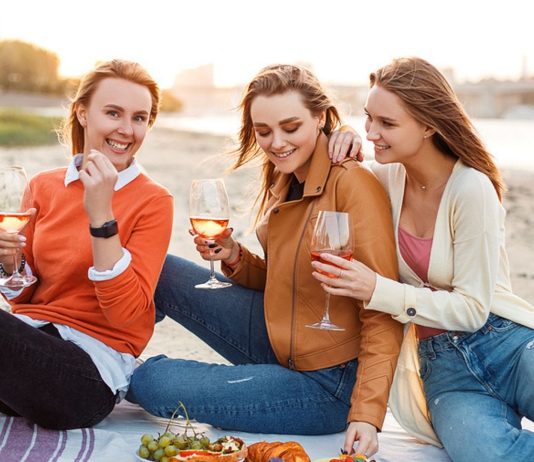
{"points": [[71, 132], [274, 80], [430, 99]]}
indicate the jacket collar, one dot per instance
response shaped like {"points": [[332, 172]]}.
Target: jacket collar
{"points": [[317, 175]]}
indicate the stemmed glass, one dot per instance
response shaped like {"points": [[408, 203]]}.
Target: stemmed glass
{"points": [[15, 203], [209, 212], [330, 235]]}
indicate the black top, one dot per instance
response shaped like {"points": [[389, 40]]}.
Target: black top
{"points": [[296, 190]]}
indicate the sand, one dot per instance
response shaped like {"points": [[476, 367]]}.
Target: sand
{"points": [[173, 158]]}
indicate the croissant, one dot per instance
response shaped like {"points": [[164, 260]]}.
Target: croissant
{"points": [[288, 452]]}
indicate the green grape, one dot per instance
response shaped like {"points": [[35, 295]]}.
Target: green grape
{"points": [[196, 444], [180, 442], [146, 438], [152, 446], [143, 452], [171, 450], [205, 442], [169, 434], [158, 454], [164, 441], [164, 459]]}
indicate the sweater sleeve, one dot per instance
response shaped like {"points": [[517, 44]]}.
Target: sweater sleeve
{"points": [[381, 336], [475, 229], [128, 296]]}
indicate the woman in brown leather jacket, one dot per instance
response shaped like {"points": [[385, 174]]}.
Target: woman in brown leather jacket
{"points": [[285, 377]]}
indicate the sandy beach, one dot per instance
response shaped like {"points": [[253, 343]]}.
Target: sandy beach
{"points": [[173, 158]]}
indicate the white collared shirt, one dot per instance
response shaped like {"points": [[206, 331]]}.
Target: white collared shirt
{"points": [[115, 367]]}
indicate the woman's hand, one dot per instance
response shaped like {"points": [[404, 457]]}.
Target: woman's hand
{"points": [[222, 247], [98, 178], [11, 244], [346, 143], [352, 278], [366, 436]]}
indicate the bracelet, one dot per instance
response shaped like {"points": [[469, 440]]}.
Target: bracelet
{"points": [[4, 274], [236, 260]]}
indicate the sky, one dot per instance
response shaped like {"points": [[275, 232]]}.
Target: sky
{"points": [[343, 40]]}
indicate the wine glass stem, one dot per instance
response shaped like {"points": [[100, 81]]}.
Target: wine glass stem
{"points": [[212, 269], [326, 315], [15, 273]]}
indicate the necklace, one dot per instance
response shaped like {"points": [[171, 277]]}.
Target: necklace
{"points": [[425, 188]]}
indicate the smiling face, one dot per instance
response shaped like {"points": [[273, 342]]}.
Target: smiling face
{"points": [[396, 134], [286, 131], [116, 120]]}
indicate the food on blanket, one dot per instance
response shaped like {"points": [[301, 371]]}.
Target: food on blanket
{"points": [[225, 449], [270, 452], [350, 458], [195, 447]]}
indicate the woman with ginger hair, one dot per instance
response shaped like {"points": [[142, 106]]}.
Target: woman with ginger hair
{"points": [[469, 341], [96, 243]]}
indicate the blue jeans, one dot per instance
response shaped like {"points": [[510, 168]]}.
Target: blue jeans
{"points": [[255, 394], [478, 387]]}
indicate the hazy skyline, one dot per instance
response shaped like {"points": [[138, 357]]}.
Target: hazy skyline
{"points": [[342, 39]]}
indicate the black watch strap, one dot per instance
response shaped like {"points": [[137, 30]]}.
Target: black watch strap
{"points": [[108, 229]]}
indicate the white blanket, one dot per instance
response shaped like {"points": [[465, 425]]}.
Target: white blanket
{"points": [[117, 438]]}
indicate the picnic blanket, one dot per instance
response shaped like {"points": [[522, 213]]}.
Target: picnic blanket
{"points": [[117, 438]]}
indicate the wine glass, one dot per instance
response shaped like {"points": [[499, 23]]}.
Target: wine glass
{"points": [[209, 213], [330, 235], [15, 203]]}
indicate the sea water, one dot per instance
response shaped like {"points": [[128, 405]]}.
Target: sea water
{"points": [[510, 141]]}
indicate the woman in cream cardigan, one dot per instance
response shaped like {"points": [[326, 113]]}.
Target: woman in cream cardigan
{"points": [[465, 377]]}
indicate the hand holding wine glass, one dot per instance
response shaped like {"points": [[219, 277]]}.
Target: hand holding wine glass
{"points": [[331, 235], [15, 213], [209, 213]]}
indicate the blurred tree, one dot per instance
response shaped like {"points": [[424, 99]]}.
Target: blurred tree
{"points": [[169, 102], [26, 67]]}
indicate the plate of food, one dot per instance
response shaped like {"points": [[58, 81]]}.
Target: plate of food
{"points": [[189, 446], [170, 447]]}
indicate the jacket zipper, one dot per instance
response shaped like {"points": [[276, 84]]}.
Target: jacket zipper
{"points": [[291, 361]]}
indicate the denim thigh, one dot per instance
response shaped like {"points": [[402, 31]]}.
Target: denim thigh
{"points": [[478, 387], [48, 380], [263, 398], [230, 320]]}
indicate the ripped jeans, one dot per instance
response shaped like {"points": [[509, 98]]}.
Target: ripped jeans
{"points": [[255, 394], [479, 386]]}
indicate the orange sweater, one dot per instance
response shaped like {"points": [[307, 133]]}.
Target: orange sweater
{"points": [[119, 311]]}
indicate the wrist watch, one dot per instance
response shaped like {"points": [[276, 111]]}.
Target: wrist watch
{"points": [[108, 229]]}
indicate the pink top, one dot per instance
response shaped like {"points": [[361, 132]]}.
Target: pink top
{"points": [[416, 253]]}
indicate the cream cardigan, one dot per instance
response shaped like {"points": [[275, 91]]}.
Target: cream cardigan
{"points": [[468, 269]]}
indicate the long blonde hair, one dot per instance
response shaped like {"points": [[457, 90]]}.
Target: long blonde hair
{"points": [[275, 80], [429, 98], [71, 131]]}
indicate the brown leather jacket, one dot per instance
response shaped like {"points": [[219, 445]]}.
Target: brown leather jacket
{"points": [[293, 298]]}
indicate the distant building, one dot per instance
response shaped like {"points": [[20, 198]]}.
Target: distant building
{"points": [[199, 95], [202, 76], [489, 98]]}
